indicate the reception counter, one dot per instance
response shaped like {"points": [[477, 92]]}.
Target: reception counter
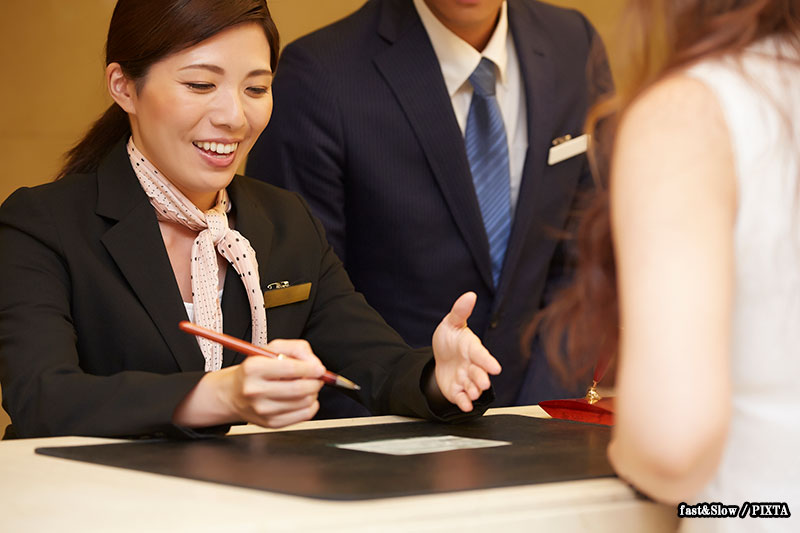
{"points": [[41, 493]]}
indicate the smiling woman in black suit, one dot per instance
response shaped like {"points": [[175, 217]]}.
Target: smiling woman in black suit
{"points": [[148, 225]]}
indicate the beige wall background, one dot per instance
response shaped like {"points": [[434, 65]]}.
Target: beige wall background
{"points": [[52, 73]]}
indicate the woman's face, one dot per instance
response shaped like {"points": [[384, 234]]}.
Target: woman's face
{"points": [[198, 112]]}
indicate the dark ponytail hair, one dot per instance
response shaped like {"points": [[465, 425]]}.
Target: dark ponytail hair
{"points": [[143, 32]]}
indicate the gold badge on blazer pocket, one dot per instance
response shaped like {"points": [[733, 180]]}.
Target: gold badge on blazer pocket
{"points": [[282, 293]]}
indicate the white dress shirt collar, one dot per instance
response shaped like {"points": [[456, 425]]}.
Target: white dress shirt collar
{"points": [[458, 59]]}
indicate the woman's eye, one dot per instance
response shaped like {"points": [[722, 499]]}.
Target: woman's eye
{"points": [[258, 91], [197, 86]]}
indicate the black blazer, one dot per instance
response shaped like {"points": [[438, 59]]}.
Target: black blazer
{"points": [[364, 129], [89, 307]]}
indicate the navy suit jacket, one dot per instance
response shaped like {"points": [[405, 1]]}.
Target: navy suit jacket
{"points": [[364, 129]]}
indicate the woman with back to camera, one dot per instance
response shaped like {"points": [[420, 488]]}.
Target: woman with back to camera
{"points": [[697, 245], [147, 225]]}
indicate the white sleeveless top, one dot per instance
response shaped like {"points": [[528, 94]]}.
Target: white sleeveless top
{"points": [[760, 98]]}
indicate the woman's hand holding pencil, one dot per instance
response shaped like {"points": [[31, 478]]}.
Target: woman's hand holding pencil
{"points": [[274, 387], [246, 348]]}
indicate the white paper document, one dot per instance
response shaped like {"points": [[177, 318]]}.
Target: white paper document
{"points": [[420, 445]]}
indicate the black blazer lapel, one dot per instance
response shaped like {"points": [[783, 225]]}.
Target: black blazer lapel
{"points": [[252, 222], [136, 246], [536, 54], [426, 103]]}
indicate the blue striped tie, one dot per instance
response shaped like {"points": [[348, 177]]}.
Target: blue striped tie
{"points": [[487, 151]]}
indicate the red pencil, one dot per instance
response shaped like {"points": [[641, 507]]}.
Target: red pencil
{"points": [[238, 345]]}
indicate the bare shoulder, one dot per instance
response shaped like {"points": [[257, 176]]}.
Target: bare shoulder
{"points": [[675, 132], [677, 109]]}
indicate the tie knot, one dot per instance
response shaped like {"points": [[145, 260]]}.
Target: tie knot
{"points": [[217, 222], [483, 78]]}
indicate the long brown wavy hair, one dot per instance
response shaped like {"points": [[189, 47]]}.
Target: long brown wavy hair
{"points": [[580, 328]]}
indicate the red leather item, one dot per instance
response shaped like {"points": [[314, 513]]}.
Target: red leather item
{"points": [[580, 410]]}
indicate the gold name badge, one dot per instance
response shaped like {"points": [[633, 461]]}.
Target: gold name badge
{"points": [[281, 293]]}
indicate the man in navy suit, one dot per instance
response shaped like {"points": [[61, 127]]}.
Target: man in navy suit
{"points": [[371, 115]]}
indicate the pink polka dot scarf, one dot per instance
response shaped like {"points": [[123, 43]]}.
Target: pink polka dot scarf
{"points": [[172, 205]]}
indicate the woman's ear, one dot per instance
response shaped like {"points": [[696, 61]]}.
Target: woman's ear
{"points": [[121, 89]]}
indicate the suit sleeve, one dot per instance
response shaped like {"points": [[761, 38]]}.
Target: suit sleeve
{"points": [[302, 149], [600, 81], [352, 339], [45, 391]]}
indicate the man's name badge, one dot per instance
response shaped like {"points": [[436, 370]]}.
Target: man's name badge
{"points": [[281, 293], [566, 147]]}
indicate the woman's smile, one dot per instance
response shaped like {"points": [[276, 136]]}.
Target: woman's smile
{"points": [[217, 153]]}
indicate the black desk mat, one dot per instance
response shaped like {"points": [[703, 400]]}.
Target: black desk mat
{"points": [[305, 463]]}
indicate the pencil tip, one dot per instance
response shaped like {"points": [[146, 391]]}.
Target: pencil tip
{"points": [[345, 383]]}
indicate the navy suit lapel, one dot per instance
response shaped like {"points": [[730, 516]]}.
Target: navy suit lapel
{"points": [[252, 222], [136, 246], [411, 69], [536, 54]]}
